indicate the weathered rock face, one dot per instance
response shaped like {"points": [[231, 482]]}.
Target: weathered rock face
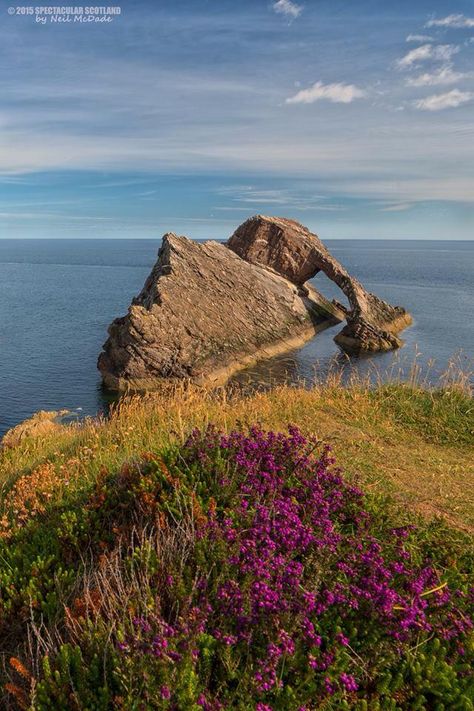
{"points": [[290, 249], [283, 245], [203, 313]]}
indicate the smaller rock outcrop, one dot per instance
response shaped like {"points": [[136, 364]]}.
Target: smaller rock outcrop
{"points": [[290, 249], [40, 424], [205, 312]]}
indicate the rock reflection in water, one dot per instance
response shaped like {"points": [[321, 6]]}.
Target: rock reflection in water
{"points": [[321, 359]]}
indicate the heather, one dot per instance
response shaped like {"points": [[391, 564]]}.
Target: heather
{"points": [[237, 564]]}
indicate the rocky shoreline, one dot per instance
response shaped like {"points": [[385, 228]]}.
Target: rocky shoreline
{"points": [[210, 309]]}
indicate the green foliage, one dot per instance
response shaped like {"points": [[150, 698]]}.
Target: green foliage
{"points": [[70, 682]]}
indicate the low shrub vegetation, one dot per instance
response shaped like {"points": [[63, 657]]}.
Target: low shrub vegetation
{"points": [[230, 567]]}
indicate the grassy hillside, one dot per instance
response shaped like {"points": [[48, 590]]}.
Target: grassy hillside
{"points": [[122, 554]]}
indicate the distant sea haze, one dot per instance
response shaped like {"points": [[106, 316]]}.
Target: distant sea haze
{"points": [[57, 298]]}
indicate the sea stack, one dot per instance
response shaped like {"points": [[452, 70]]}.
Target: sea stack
{"points": [[210, 309], [203, 313], [297, 254]]}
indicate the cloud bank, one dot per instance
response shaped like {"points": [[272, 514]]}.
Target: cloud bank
{"points": [[449, 100], [440, 52], [337, 93], [445, 75], [456, 21]]}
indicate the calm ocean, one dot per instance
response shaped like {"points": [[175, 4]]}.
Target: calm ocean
{"points": [[57, 298]]}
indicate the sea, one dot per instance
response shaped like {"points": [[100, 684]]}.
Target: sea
{"points": [[57, 298]]}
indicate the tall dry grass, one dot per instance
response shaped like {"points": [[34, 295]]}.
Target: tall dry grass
{"points": [[408, 435]]}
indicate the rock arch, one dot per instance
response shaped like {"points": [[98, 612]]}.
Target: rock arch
{"points": [[290, 249]]}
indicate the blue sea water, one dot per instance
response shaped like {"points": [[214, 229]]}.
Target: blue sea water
{"points": [[57, 298]]}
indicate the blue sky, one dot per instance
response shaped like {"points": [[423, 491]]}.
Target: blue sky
{"points": [[354, 117]]}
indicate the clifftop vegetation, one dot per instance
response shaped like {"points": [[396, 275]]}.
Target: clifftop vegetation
{"points": [[205, 551]]}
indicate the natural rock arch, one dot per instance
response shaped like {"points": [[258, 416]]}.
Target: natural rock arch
{"points": [[290, 249]]}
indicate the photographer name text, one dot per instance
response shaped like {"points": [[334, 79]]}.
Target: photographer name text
{"points": [[67, 14]]}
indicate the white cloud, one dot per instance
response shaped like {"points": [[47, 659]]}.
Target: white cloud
{"points": [[444, 52], [415, 55], [337, 93], [457, 21], [445, 75], [397, 207], [450, 100], [300, 200], [288, 8], [418, 38], [440, 52]]}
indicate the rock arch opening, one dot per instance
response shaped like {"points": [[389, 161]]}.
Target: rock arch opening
{"points": [[330, 289]]}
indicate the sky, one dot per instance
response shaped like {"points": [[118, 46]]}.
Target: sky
{"points": [[355, 117]]}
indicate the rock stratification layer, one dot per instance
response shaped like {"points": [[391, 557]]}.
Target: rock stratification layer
{"points": [[205, 312], [290, 249]]}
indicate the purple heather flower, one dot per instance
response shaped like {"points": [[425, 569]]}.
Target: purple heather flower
{"points": [[165, 692], [348, 681], [292, 554]]}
